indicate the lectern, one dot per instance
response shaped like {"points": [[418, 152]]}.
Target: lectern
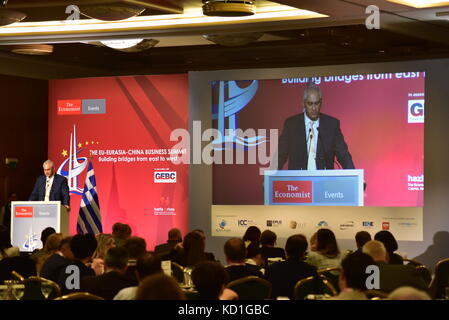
{"points": [[29, 218]]}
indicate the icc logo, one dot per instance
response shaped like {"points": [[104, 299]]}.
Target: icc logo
{"points": [[243, 223], [416, 111]]}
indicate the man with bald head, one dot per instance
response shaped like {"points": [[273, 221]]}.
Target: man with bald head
{"points": [[51, 186], [312, 140]]}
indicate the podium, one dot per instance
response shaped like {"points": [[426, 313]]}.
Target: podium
{"points": [[314, 187], [29, 218]]}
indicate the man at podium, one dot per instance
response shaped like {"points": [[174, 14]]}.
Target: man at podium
{"points": [[51, 187], [312, 140]]}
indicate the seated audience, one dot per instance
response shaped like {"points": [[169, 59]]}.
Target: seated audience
{"points": [[252, 234], [284, 275], [391, 245], [120, 232], [236, 268], [210, 279], [408, 293], [393, 276], [254, 256], [104, 243], [51, 247], [83, 247], [136, 247], [37, 253], [113, 279], [361, 238], [352, 280], [174, 237], [6, 248], [268, 241], [52, 266], [159, 287], [327, 254], [192, 251], [146, 265], [210, 255]]}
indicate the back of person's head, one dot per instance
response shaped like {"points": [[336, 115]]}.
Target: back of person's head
{"points": [[65, 249], [148, 264], [268, 238], [83, 245], [408, 293], [193, 245], [175, 234], [45, 234], [121, 231], [361, 238], [235, 250], [116, 258], [376, 250], [253, 233], [209, 278], [313, 242], [354, 270], [296, 246], [104, 242], [387, 238], [326, 243], [53, 243], [159, 287], [135, 246], [253, 249]]}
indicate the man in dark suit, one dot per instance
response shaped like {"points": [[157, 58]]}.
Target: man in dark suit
{"points": [[174, 237], [235, 252], [312, 140], [51, 187], [284, 275]]}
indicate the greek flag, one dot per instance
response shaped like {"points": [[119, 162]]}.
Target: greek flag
{"points": [[89, 218]]}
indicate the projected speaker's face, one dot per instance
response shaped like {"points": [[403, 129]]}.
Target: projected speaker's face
{"points": [[312, 104]]}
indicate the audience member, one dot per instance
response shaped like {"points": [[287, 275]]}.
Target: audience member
{"points": [[361, 238], [284, 275], [52, 266], [352, 280], [113, 280], [210, 279], [254, 256], [120, 232], [236, 268], [313, 242], [252, 234], [6, 248], [391, 245], [268, 241], [327, 254], [408, 293], [83, 247], [192, 251], [174, 237], [37, 253], [104, 243], [392, 276], [210, 255], [51, 247], [159, 287], [136, 248], [147, 265]]}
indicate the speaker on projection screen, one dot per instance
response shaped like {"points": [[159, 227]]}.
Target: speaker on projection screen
{"points": [[29, 218]]}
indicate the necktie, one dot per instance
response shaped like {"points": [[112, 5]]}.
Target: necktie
{"points": [[311, 163], [47, 190]]}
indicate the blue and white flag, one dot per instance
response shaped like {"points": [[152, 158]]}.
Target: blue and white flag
{"points": [[89, 218]]}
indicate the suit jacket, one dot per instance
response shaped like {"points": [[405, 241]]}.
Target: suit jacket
{"points": [[52, 267], [165, 248], [241, 271], [284, 275], [292, 144], [84, 271], [393, 276], [59, 190], [106, 285]]}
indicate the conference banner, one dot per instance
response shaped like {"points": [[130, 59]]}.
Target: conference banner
{"points": [[123, 125]]}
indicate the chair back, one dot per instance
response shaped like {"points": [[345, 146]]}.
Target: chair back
{"points": [[178, 272], [332, 275], [425, 273], [313, 285], [80, 296], [22, 265], [376, 294], [440, 280], [36, 286], [251, 288]]}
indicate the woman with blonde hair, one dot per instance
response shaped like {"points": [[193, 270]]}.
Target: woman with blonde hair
{"points": [[51, 247], [105, 242]]}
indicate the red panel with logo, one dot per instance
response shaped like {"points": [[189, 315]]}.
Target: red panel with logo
{"points": [[24, 212], [69, 107], [292, 192]]}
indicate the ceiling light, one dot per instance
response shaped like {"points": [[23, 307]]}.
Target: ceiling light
{"points": [[33, 49], [112, 12], [130, 45], [229, 8], [422, 3], [9, 16]]}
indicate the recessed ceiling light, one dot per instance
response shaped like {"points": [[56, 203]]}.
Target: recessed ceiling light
{"points": [[33, 49], [422, 3]]}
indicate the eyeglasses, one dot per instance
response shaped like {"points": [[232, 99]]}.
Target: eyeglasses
{"points": [[310, 104]]}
